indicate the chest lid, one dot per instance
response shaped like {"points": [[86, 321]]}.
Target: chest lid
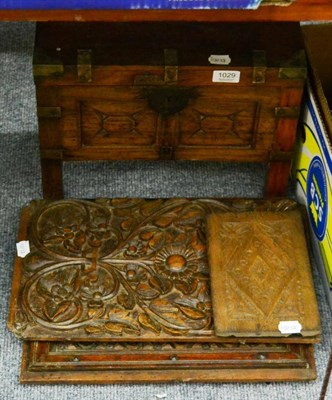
{"points": [[260, 275], [137, 43]]}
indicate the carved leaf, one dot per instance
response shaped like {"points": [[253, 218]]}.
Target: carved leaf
{"points": [[93, 329], [157, 241], [190, 217], [192, 313], [148, 323], [187, 287], [163, 306], [115, 328], [161, 284], [126, 300], [174, 331], [128, 224], [145, 291], [54, 311], [149, 207], [123, 318], [147, 234], [165, 220], [95, 312]]}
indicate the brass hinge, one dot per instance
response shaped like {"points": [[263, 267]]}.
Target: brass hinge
{"points": [[287, 112], [170, 71], [47, 70], [84, 65], [259, 63], [49, 112], [171, 65], [295, 68], [45, 65]]}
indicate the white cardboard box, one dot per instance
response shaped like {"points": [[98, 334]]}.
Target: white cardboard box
{"points": [[313, 166]]}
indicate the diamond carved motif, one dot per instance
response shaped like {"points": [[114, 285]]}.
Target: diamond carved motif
{"points": [[258, 276]]}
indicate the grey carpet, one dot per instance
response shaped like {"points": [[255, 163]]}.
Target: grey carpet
{"points": [[20, 182]]}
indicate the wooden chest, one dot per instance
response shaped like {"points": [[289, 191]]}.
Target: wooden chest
{"points": [[180, 91]]}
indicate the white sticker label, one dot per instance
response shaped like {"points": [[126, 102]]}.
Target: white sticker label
{"points": [[23, 248], [219, 59], [226, 76], [289, 327]]}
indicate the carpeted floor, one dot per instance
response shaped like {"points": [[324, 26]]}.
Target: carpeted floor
{"points": [[20, 183]]}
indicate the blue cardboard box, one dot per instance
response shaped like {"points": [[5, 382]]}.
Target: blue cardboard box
{"points": [[126, 4]]}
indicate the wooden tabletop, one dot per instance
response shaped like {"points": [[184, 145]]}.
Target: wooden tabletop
{"points": [[300, 10]]}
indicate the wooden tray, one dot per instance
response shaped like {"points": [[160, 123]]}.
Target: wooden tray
{"points": [[121, 362]]}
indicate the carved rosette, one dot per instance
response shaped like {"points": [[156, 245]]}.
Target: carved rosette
{"points": [[118, 268]]}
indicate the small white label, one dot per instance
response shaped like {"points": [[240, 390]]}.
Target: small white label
{"points": [[219, 59], [226, 76], [23, 248], [289, 327]]}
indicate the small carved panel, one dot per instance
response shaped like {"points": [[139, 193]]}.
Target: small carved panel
{"points": [[118, 121], [261, 275], [47, 362], [117, 269], [216, 122]]}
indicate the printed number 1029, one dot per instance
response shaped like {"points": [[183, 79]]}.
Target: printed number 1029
{"points": [[226, 76]]}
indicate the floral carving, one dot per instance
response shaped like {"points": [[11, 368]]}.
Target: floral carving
{"points": [[118, 268]]}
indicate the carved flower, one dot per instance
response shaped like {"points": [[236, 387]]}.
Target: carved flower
{"points": [[135, 249], [77, 229], [98, 286], [59, 289], [176, 262], [70, 236], [135, 273]]}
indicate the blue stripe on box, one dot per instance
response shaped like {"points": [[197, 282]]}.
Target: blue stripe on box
{"points": [[126, 4]]}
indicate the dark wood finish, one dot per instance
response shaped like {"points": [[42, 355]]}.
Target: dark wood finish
{"points": [[260, 274], [46, 362], [139, 103], [300, 10]]}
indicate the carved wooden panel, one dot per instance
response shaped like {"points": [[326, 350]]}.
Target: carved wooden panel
{"points": [[224, 123], [105, 362], [220, 124], [261, 275], [117, 269], [121, 119]]}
